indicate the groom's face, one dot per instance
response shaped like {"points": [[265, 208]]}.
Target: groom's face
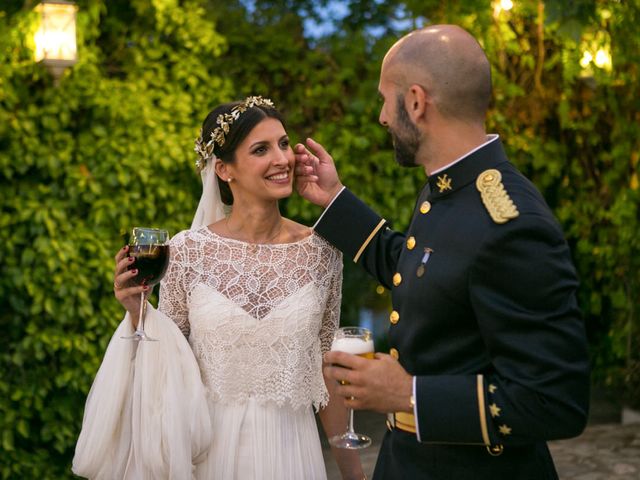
{"points": [[405, 135], [394, 116]]}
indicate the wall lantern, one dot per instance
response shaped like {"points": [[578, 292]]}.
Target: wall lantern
{"points": [[56, 38]]}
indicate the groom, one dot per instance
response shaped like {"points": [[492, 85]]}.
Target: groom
{"points": [[489, 357]]}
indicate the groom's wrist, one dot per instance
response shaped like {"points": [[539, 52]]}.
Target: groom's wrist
{"points": [[333, 194]]}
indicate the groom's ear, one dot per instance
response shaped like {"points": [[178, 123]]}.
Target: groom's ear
{"points": [[417, 101]]}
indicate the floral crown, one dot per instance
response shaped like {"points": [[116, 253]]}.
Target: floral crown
{"points": [[224, 121]]}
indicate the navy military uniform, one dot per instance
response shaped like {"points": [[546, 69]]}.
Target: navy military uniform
{"points": [[484, 316]]}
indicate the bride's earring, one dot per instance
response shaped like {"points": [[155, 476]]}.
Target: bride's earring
{"points": [[229, 180]]}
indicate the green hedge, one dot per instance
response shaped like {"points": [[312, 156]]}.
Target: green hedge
{"points": [[111, 147]]}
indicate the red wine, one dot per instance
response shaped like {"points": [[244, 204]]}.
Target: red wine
{"points": [[151, 261]]}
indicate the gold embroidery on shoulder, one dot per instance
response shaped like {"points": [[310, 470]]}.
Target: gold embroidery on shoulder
{"points": [[494, 196]]}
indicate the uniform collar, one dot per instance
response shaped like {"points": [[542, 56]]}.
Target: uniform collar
{"points": [[464, 171]]}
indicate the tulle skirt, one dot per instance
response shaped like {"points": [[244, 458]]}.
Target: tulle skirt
{"points": [[262, 441], [159, 423]]}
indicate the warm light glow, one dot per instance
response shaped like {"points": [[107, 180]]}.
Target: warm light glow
{"points": [[603, 59], [501, 5], [586, 59], [56, 37], [506, 4]]}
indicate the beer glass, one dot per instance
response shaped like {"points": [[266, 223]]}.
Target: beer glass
{"points": [[357, 341]]}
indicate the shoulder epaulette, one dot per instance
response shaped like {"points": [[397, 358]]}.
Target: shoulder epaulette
{"points": [[495, 197]]}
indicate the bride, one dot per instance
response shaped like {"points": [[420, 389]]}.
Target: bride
{"points": [[230, 393]]}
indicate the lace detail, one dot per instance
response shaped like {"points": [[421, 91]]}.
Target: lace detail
{"points": [[258, 317]]}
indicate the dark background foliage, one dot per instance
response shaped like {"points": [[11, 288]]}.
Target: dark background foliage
{"points": [[111, 147]]}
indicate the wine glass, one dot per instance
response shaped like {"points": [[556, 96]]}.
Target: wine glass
{"points": [[151, 251], [357, 341]]}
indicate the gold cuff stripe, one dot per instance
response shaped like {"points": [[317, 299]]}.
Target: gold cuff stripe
{"points": [[482, 411], [368, 240]]}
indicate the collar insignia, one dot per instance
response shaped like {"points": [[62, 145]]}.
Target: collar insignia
{"points": [[444, 183]]}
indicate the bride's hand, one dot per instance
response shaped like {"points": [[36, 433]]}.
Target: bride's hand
{"points": [[126, 293]]}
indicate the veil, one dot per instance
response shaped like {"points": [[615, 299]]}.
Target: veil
{"points": [[210, 209], [154, 424]]}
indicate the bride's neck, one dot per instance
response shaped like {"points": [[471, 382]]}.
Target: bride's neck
{"points": [[255, 223]]}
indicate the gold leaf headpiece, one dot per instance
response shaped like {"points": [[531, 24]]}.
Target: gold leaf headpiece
{"points": [[224, 122]]}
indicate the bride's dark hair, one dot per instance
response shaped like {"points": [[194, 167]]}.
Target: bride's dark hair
{"points": [[238, 131]]}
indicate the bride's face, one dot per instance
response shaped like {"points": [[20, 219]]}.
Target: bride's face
{"points": [[264, 161]]}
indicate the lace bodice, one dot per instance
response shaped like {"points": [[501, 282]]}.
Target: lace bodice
{"points": [[258, 317]]}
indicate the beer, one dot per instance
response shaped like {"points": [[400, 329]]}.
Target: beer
{"points": [[362, 347]]}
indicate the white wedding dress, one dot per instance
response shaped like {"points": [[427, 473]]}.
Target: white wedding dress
{"points": [[258, 319]]}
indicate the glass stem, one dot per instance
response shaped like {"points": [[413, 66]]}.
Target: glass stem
{"points": [[143, 308], [350, 424]]}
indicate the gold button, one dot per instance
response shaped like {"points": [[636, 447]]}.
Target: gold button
{"points": [[397, 279], [394, 317], [411, 242], [494, 450], [394, 353], [425, 207]]}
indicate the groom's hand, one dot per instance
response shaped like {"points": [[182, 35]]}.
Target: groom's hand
{"points": [[316, 176], [381, 385]]}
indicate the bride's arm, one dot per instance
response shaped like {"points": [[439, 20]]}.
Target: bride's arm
{"points": [[334, 416], [173, 294], [334, 422]]}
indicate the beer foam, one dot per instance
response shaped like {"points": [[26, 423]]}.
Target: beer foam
{"points": [[352, 345]]}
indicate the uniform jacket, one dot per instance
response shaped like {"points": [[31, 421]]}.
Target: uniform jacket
{"points": [[484, 316]]}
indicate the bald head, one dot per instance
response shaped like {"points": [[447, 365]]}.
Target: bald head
{"points": [[449, 63]]}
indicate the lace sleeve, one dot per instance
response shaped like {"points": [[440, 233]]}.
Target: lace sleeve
{"points": [[173, 295], [331, 318]]}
